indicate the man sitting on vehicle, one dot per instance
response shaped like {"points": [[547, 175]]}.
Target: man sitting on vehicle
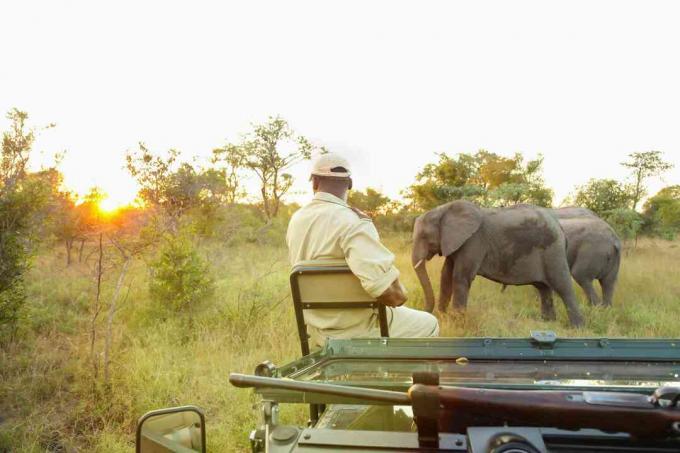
{"points": [[329, 229]]}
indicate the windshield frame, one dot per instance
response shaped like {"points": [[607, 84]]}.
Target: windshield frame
{"points": [[496, 352]]}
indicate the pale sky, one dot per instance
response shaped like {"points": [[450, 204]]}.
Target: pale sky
{"points": [[387, 83]]}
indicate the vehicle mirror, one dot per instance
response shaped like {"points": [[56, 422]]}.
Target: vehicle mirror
{"points": [[177, 429]]}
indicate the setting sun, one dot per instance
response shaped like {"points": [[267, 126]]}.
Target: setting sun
{"points": [[108, 205]]}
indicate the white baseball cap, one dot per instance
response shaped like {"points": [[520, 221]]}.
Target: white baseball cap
{"points": [[331, 165]]}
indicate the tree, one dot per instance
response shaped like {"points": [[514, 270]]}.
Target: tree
{"points": [[233, 160], [626, 222], [602, 196], [16, 148], [486, 178], [644, 165], [152, 173], [65, 221], [180, 278], [372, 202], [22, 197], [662, 212], [173, 188], [270, 149]]}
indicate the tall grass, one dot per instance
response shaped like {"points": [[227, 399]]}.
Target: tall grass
{"points": [[50, 400]]}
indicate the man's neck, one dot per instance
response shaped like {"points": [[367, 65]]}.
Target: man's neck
{"points": [[341, 194]]}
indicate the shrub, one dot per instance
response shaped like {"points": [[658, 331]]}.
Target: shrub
{"points": [[626, 222], [180, 277]]}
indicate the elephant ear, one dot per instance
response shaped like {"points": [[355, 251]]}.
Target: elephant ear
{"points": [[460, 220]]}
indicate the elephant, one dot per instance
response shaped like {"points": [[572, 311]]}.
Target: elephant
{"points": [[518, 245], [593, 252]]}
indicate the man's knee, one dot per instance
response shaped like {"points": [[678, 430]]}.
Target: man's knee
{"points": [[431, 325], [408, 322]]}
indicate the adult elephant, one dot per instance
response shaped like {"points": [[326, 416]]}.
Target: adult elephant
{"points": [[593, 252], [518, 245]]}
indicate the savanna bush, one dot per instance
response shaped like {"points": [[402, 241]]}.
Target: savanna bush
{"points": [[626, 222], [180, 277]]}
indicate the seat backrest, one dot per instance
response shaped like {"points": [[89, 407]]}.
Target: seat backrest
{"points": [[328, 282], [329, 285]]}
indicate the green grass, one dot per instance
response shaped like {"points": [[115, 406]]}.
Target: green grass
{"points": [[50, 401]]}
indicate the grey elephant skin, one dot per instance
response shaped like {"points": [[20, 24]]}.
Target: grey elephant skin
{"points": [[518, 245], [593, 252]]}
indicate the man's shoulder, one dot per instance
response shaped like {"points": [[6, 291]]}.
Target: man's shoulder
{"points": [[340, 213]]}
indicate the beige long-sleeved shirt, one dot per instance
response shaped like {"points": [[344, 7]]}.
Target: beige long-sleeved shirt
{"points": [[328, 229]]}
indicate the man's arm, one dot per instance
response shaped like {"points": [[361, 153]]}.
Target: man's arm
{"points": [[370, 260], [393, 296]]}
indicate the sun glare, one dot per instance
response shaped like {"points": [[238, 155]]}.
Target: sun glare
{"points": [[108, 206]]}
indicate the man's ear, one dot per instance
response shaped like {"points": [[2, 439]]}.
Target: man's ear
{"points": [[350, 184], [315, 183]]}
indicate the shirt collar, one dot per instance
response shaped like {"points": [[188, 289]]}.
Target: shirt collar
{"points": [[330, 198]]}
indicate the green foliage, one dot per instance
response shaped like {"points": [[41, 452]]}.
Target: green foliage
{"points": [[263, 151], [172, 190], [485, 178], [662, 213], [232, 159], [16, 148], [626, 222], [371, 201], [644, 165], [23, 197], [152, 173], [508, 194], [602, 196], [180, 278]]}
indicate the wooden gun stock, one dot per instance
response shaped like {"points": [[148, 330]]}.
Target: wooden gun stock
{"points": [[637, 414]]}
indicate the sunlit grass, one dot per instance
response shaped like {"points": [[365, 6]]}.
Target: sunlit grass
{"points": [[47, 396]]}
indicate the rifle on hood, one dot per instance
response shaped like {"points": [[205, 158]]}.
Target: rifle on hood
{"points": [[452, 409]]}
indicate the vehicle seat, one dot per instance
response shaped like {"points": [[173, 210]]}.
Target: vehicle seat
{"points": [[329, 285]]}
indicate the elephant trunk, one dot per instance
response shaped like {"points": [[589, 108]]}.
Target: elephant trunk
{"points": [[419, 262]]}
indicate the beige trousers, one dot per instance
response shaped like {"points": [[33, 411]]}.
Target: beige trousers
{"points": [[403, 322]]}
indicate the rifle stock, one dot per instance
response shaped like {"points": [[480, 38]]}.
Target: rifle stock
{"points": [[635, 414]]}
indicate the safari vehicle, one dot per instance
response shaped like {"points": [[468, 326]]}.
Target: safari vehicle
{"points": [[534, 394]]}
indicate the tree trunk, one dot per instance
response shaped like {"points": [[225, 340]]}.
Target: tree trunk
{"points": [[109, 321], [96, 309], [68, 244], [80, 251], [265, 202]]}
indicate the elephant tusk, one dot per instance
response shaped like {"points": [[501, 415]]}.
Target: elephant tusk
{"points": [[418, 264]]}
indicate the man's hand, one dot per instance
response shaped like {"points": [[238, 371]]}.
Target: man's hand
{"points": [[360, 213], [393, 296]]}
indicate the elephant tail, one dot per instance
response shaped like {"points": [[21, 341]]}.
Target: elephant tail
{"points": [[608, 281], [614, 262], [503, 288]]}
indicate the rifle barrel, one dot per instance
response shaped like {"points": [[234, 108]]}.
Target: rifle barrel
{"points": [[384, 396]]}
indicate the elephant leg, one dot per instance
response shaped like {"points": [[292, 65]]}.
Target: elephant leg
{"points": [[446, 284], [461, 289], [586, 283], [584, 278], [608, 283], [463, 275], [607, 291], [560, 281], [547, 305]]}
